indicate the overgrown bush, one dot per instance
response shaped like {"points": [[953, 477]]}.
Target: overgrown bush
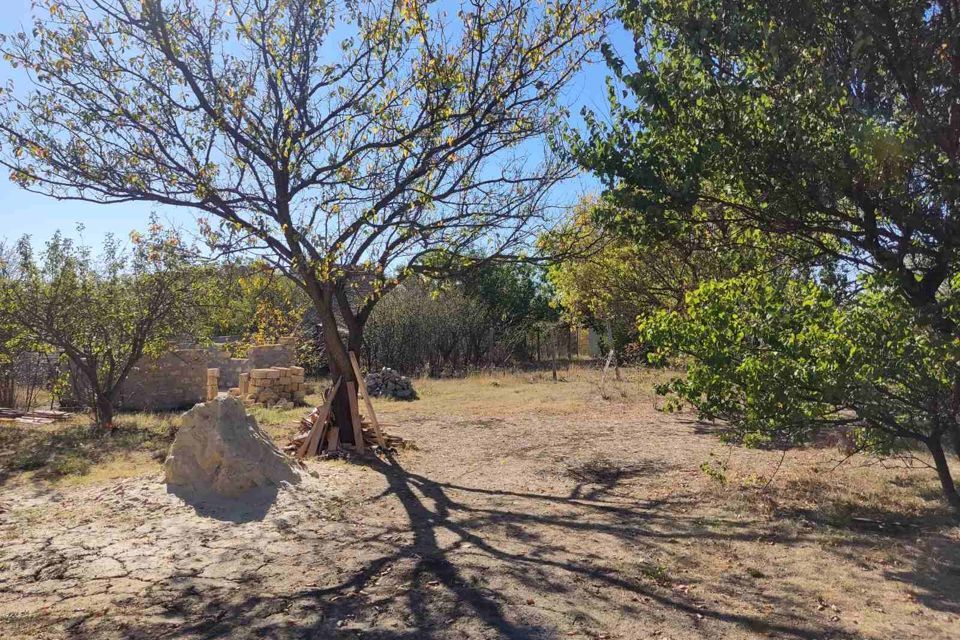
{"points": [[416, 327]]}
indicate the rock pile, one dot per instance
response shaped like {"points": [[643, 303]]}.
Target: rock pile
{"points": [[221, 449], [388, 383], [281, 387]]}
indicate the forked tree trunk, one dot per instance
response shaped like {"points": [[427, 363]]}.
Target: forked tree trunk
{"points": [[935, 445]]}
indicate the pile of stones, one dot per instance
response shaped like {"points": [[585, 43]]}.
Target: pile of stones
{"points": [[388, 383], [281, 387]]}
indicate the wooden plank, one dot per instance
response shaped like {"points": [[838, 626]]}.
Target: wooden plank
{"points": [[322, 417], [311, 444], [333, 439], [366, 400], [355, 417]]}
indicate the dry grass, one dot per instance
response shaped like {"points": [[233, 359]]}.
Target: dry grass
{"points": [[76, 451], [504, 392]]}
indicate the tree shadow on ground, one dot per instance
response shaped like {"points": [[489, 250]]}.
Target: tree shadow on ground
{"points": [[599, 476], [934, 576], [442, 589]]}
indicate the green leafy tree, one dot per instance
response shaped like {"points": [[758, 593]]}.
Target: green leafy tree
{"points": [[103, 312], [609, 276], [835, 124], [779, 359], [517, 299], [330, 136], [253, 302], [823, 119], [13, 341]]}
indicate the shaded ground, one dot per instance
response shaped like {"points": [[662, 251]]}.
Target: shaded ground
{"points": [[529, 510]]}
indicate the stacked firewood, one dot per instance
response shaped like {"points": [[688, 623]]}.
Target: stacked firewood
{"points": [[305, 427]]}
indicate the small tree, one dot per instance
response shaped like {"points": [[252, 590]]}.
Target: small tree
{"points": [[780, 359], [334, 137], [104, 312]]}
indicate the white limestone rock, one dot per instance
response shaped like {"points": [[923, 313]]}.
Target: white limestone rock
{"points": [[221, 449]]}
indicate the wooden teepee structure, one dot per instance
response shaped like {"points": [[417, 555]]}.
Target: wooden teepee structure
{"points": [[320, 434]]}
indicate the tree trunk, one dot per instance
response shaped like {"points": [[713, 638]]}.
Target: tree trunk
{"points": [[613, 351], [935, 445], [339, 360], [103, 411], [556, 339]]}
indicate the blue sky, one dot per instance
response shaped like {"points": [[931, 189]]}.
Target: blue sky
{"points": [[22, 212]]}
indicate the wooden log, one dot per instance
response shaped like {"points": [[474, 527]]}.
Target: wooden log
{"points": [[311, 444], [366, 399], [355, 417]]}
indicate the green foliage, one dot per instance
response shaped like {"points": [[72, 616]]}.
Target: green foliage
{"points": [[515, 295], [835, 126], [715, 469], [819, 120], [779, 359], [253, 302], [102, 312], [611, 276], [482, 319]]}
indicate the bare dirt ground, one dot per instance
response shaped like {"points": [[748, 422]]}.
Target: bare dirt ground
{"points": [[529, 509]]}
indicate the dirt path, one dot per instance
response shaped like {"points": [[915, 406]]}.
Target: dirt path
{"points": [[519, 527]]}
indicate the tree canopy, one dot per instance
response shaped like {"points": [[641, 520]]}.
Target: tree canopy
{"points": [[836, 126], [823, 119]]}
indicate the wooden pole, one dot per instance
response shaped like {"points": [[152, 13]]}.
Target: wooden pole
{"points": [[366, 400], [603, 376], [355, 417]]}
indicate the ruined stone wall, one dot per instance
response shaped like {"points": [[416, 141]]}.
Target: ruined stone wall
{"points": [[261, 356], [264, 356], [230, 368], [179, 378], [174, 381]]}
